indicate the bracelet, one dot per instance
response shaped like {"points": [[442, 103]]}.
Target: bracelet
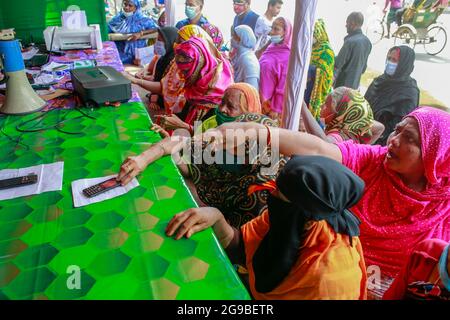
{"points": [[269, 138], [162, 148]]}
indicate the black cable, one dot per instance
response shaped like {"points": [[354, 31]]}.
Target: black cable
{"points": [[56, 126]]}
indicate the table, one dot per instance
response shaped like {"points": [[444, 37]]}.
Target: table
{"points": [[116, 249]]}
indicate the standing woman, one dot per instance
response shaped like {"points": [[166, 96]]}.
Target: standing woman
{"points": [[245, 64], [394, 94], [322, 59], [274, 66], [130, 20]]}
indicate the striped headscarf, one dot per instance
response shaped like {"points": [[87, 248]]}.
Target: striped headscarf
{"points": [[353, 117], [208, 32]]}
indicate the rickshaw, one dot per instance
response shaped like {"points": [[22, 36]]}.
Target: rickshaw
{"points": [[420, 26]]}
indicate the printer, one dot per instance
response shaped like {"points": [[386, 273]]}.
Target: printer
{"points": [[74, 34]]}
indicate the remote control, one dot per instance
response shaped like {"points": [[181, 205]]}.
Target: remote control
{"points": [[18, 182], [101, 187]]}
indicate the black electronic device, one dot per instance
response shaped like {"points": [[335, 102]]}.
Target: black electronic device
{"points": [[102, 187], [98, 85], [37, 61], [18, 182]]}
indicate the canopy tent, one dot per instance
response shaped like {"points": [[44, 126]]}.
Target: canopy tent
{"points": [[305, 12]]}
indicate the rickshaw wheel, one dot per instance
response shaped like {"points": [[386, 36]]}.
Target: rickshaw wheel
{"points": [[375, 31], [406, 35], [436, 40]]}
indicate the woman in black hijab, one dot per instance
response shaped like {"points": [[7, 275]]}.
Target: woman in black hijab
{"points": [[150, 79], [394, 94], [306, 245]]}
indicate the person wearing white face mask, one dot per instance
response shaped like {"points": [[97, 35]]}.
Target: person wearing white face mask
{"points": [[245, 64], [262, 30], [274, 64], [193, 11], [394, 94], [131, 21]]}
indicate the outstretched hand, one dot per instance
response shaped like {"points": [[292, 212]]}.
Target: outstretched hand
{"points": [[172, 122], [189, 222], [160, 130], [130, 168]]}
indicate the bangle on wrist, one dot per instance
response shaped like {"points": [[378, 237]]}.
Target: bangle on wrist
{"points": [[161, 148], [269, 138]]}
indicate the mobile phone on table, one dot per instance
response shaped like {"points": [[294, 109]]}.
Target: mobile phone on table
{"points": [[18, 182], [102, 187]]}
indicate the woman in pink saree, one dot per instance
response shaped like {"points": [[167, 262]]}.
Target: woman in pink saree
{"points": [[407, 195], [274, 66]]}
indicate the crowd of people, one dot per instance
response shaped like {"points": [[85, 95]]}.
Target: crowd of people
{"points": [[367, 182]]}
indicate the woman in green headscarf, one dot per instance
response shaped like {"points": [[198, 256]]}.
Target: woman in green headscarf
{"points": [[239, 98], [322, 58], [234, 188]]}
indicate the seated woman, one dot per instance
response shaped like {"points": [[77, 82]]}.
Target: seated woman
{"points": [[347, 116], [238, 99], [426, 274], [207, 74], [394, 94], [157, 70], [322, 60], [131, 20], [222, 186], [274, 66], [305, 246], [407, 194], [171, 85], [245, 64]]}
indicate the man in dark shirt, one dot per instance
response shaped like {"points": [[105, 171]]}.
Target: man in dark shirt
{"points": [[351, 61]]}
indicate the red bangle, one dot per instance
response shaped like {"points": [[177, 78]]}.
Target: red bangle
{"points": [[269, 140]]}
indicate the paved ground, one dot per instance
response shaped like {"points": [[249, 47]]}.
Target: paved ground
{"points": [[431, 72]]}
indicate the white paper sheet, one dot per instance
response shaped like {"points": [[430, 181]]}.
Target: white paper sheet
{"points": [[80, 200], [27, 55], [55, 65], [50, 178]]}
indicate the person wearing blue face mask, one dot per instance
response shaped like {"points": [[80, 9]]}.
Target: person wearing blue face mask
{"points": [[131, 21], [394, 94], [193, 10]]}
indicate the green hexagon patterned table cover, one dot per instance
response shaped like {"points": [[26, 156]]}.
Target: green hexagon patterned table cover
{"points": [[118, 245]]}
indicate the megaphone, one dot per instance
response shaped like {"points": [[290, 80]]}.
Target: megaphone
{"points": [[20, 96]]}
